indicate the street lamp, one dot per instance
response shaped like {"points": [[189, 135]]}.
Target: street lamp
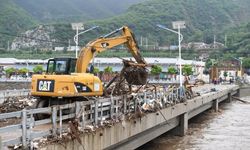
{"points": [[77, 27], [177, 25], [240, 60]]}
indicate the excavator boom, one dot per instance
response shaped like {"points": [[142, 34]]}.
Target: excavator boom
{"points": [[106, 42]]}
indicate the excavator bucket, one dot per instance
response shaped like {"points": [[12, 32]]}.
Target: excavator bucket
{"points": [[134, 73]]}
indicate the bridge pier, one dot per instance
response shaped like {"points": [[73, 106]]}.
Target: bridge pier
{"points": [[216, 105], [229, 99], [238, 93], [182, 128]]}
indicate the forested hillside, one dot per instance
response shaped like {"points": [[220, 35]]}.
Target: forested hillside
{"points": [[238, 40], [74, 10], [204, 19], [13, 20]]}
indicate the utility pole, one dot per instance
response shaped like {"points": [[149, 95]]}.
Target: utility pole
{"points": [[69, 46], [8, 46], [214, 41], [225, 40], [141, 40]]}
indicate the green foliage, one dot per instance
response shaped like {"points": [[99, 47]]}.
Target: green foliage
{"points": [[13, 20], [96, 70], [246, 63], [208, 64], [38, 69], [23, 70], [172, 70], [204, 20], [156, 69], [10, 71], [225, 74], [73, 10], [238, 40], [108, 69], [187, 70], [49, 52]]}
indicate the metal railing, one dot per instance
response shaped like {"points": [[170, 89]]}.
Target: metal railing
{"points": [[94, 112]]}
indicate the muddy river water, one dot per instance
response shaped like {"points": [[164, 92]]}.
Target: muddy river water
{"points": [[228, 129]]}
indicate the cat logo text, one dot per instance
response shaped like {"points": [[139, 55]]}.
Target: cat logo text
{"points": [[45, 85]]}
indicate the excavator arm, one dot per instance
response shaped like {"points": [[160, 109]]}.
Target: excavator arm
{"points": [[106, 42]]}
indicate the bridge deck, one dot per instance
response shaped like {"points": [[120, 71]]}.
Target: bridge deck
{"points": [[132, 133]]}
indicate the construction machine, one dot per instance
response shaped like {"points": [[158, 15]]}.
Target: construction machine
{"points": [[67, 79]]}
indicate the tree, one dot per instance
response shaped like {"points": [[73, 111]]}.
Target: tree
{"points": [[197, 36], [225, 74], [246, 63], [10, 71], [172, 70], [108, 69], [38, 69], [208, 64], [96, 70], [23, 70], [156, 69], [187, 70]]}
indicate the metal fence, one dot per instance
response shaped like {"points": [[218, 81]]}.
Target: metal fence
{"points": [[94, 112], [13, 93]]}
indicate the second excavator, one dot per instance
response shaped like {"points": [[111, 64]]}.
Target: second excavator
{"points": [[67, 79]]}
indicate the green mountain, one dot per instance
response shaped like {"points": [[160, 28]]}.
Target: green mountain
{"points": [[13, 20], [16, 16], [204, 19], [238, 40], [74, 10]]}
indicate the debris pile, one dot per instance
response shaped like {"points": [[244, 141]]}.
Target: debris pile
{"points": [[134, 73], [12, 104]]}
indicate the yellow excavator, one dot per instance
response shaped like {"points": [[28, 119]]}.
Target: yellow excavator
{"points": [[66, 79]]}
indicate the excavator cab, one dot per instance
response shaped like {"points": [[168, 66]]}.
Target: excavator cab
{"points": [[61, 66]]}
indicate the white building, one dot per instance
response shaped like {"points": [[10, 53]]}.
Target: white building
{"points": [[101, 63], [116, 63], [59, 48], [73, 48], [22, 63]]}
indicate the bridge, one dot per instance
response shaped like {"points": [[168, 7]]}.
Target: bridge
{"points": [[121, 122]]}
